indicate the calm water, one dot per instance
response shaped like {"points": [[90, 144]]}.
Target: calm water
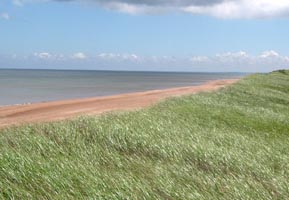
{"points": [[28, 86]]}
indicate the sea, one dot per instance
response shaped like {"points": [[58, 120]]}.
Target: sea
{"points": [[30, 86]]}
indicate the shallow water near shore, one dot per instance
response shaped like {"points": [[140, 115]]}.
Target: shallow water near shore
{"points": [[30, 86]]}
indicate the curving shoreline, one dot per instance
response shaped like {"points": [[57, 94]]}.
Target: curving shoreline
{"points": [[65, 109]]}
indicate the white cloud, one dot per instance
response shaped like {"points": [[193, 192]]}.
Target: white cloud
{"points": [[268, 54], [239, 54], [47, 56], [227, 9], [106, 55], [5, 16], [199, 59], [241, 61], [79, 55], [132, 57], [43, 55], [220, 9], [244, 9], [119, 57], [233, 58]]}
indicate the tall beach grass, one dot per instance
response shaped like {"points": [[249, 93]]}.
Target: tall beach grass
{"points": [[229, 144]]}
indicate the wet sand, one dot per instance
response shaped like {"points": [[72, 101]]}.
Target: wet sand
{"points": [[60, 110]]}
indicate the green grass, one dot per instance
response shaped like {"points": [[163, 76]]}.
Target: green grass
{"points": [[230, 144]]}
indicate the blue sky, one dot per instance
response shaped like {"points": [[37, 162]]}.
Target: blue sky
{"points": [[215, 35]]}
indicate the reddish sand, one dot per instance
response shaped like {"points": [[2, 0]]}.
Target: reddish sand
{"points": [[59, 110]]}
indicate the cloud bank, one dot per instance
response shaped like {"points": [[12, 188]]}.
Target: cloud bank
{"points": [[223, 62], [79, 55], [227, 9]]}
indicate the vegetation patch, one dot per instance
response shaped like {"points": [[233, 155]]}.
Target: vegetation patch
{"points": [[229, 144]]}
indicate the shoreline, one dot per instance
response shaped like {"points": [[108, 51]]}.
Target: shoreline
{"points": [[64, 109]]}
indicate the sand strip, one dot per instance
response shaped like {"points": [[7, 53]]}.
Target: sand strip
{"points": [[59, 110]]}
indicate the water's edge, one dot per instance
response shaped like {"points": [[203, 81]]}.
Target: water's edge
{"points": [[18, 87]]}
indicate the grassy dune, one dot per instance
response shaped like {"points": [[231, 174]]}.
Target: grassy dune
{"points": [[230, 144]]}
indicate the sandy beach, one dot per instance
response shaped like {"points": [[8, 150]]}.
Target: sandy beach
{"points": [[65, 109]]}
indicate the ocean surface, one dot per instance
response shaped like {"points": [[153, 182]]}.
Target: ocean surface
{"points": [[30, 86]]}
